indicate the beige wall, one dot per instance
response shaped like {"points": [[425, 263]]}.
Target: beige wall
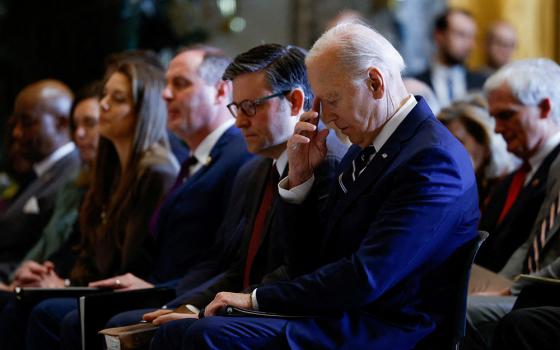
{"points": [[537, 23]]}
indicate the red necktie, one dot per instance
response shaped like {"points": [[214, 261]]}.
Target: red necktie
{"points": [[514, 189], [270, 192]]}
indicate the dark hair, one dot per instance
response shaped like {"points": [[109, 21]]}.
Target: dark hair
{"points": [[284, 67], [108, 202], [213, 65], [442, 21], [91, 90], [144, 56]]}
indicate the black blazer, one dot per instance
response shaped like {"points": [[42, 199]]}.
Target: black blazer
{"points": [[515, 228], [475, 80]]}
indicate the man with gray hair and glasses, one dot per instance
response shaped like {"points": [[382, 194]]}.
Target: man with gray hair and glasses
{"points": [[522, 215], [402, 204]]}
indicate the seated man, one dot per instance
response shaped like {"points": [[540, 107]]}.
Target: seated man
{"points": [[523, 98], [376, 276], [41, 128]]}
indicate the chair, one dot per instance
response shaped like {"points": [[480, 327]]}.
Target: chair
{"points": [[452, 334], [459, 320]]}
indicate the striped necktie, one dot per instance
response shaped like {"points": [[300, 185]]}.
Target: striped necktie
{"points": [[534, 253], [359, 164]]}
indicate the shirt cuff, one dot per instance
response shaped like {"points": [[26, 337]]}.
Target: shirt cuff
{"points": [[297, 194], [254, 302]]}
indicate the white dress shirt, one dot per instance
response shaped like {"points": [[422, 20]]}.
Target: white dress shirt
{"points": [[44, 165], [202, 152]]}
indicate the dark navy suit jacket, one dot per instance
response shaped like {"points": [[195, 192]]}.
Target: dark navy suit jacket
{"points": [[190, 216], [379, 278]]}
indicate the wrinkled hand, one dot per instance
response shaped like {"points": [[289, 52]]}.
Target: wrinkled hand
{"points": [[123, 282], [7, 287], [306, 147], [222, 299], [31, 273], [162, 316]]}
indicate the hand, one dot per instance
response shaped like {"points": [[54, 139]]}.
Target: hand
{"points": [[500, 293], [7, 288], [123, 282], [223, 299], [52, 280], [162, 316], [30, 273], [306, 147]]}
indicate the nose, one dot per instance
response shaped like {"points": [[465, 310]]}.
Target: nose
{"points": [[241, 121], [498, 127], [166, 94], [80, 133], [17, 132]]}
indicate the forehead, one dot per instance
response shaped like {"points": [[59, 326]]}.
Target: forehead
{"points": [[250, 86], [326, 75], [185, 64], [501, 98], [458, 20], [118, 80]]}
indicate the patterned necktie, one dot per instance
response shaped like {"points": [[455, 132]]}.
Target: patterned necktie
{"points": [[359, 164], [533, 255], [270, 192], [181, 178]]}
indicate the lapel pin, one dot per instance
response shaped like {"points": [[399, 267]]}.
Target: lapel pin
{"points": [[208, 161], [535, 183], [384, 155]]}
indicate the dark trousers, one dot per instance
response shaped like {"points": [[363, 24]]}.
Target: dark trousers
{"points": [[531, 328]]}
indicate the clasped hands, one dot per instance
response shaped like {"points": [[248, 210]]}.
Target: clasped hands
{"points": [[33, 274], [222, 299]]}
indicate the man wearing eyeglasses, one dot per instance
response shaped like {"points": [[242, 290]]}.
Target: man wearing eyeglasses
{"points": [[270, 92], [522, 215]]}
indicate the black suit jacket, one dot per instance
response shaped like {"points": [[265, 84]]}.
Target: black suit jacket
{"points": [[516, 226], [270, 262]]}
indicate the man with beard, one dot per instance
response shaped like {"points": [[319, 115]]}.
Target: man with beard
{"points": [[454, 33]]}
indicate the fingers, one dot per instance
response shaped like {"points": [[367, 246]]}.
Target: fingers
{"points": [[150, 316], [172, 317], [113, 283]]}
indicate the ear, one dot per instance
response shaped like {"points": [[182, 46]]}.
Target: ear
{"points": [[223, 91], [296, 99], [545, 106], [376, 83]]}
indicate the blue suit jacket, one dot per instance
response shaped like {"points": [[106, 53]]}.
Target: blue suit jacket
{"points": [[190, 216], [379, 279]]}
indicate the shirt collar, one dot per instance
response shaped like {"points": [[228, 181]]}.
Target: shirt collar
{"points": [[44, 165], [537, 158], [393, 123], [281, 162], [202, 152]]}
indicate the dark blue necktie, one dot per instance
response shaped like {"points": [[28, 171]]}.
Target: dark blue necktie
{"points": [[359, 164]]}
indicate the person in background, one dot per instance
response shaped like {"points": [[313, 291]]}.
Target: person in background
{"points": [[134, 169], [448, 75], [41, 120], [470, 123], [62, 226], [501, 41]]}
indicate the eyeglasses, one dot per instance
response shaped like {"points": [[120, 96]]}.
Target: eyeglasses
{"points": [[248, 107]]}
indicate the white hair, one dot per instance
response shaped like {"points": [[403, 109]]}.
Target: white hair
{"points": [[530, 81], [358, 48]]}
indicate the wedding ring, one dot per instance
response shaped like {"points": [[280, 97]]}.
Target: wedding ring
{"points": [[117, 282]]}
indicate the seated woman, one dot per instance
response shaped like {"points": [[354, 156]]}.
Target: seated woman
{"points": [[471, 124], [133, 170], [62, 225]]}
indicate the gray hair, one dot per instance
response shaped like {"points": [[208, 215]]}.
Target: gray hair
{"points": [[213, 65], [358, 48], [530, 81]]}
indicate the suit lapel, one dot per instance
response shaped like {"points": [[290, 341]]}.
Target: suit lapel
{"points": [[380, 162]]}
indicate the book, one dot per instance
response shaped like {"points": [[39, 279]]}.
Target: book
{"points": [[483, 280], [537, 279], [96, 309], [133, 337]]}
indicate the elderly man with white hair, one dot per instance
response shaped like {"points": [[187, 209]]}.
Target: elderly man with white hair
{"points": [[374, 263], [524, 99]]}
